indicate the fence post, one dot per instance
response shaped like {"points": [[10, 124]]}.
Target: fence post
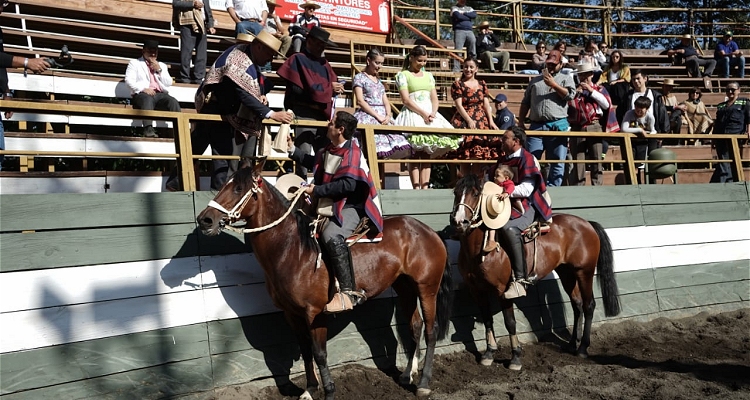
{"points": [[184, 148], [627, 150], [739, 174], [372, 155]]}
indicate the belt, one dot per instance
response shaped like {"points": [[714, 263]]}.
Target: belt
{"points": [[250, 19]]}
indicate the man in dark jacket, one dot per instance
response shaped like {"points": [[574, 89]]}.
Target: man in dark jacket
{"points": [[487, 44]]}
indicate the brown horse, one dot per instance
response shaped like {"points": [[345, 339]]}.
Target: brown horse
{"points": [[573, 248], [411, 258]]}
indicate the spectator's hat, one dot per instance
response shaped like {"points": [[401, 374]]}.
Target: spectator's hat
{"points": [[586, 67], [242, 38], [151, 44], [728, 34], [669, 82], [484, 24], [322, 35], [501, 97], [273, 3], [308, 4], [495, 212], [289, 184], [686, 36], [554, 57]]}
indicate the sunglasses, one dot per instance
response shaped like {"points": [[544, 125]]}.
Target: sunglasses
{"points": [[731, 89]]}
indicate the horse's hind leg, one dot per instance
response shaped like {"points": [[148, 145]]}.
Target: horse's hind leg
{"points": [[408, 300], [509, 317], [429, 311], [589, 305], [570, 285]]}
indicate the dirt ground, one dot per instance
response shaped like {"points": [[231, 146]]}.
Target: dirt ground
{"points": [[704, 356]]}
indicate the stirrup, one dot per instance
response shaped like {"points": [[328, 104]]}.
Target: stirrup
{"points": [[339, 303], [514, 290], [489, 248]]}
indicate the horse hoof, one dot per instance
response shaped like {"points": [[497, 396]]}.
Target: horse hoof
{"points": [[514, 366], [423, 392], [306, 396], [583, 354], [405, 380], [486, 362]]}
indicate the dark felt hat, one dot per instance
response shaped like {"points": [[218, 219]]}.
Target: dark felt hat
{"points": [[322, 35], [151, 44]]}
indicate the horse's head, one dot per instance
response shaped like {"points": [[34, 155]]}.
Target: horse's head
{"points": [[236, 201], [466, 197]]}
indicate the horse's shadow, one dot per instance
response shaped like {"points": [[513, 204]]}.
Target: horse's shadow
{"points": [[269, 334]]}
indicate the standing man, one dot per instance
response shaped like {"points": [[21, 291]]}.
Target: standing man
{"points": [[728, 55], [195, 20], [311, 85], [249, 16], [589, 112], [149, 82], [36, 65], [303, 24], [546, 103], [732, 117], [687, 54], [340, 174], [487, 44], [462, 19], [276, 28], [532, 192]]}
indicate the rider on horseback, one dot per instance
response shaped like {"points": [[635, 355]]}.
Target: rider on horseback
{"points": [[340, 174], [532, 190]]}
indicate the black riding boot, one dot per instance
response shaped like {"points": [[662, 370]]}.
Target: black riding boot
{"points": [[516, 254], [341, 263]]}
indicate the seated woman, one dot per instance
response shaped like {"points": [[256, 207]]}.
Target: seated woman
{"points": [[417, 89], [473, 111], [696, 114], [374, 109], [616, 77]]}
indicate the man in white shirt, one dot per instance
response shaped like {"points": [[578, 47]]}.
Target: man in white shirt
{"points": [[149, 81], [249, 15]]}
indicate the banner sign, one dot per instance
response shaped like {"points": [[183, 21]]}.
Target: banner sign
{"points": [[362, 15]]}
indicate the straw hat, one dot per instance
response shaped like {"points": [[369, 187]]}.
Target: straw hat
{"points": [[309, 3], [273, 3], [495, 212], [264, 37], [484, 24], [289, 184], [687, 36], [669, 82], [586, 67]]}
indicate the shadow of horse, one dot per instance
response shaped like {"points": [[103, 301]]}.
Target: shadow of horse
{"points": [[269, 333]]}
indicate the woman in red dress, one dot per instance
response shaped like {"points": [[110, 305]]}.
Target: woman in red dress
{"points": [[473, 111]]}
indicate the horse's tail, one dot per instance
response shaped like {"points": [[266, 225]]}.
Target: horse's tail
{"points": [[445, 299], [606, 270]]}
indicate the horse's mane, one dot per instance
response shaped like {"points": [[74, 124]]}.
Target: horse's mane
{"points": [[469, 181], [245, 175]]}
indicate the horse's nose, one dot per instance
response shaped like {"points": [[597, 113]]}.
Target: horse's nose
{"points": [[204, 221]]}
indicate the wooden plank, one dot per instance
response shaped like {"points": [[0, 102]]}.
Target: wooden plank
{"points": [[608, 217], [410, 202], [71, 211], [54, 249], [718, 210], [703, 274], [695, 193], [95, 358], [704, 295], [572, 197]]}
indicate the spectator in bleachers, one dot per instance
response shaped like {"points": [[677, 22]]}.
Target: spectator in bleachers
{"points": [[473, 111], [235, 89], [589, 112], [545, 101], [303, 23], [487, 44], [656, 110], [604, 49], [276, 28], [732, 117], [36, 65], [419, 96], [685, 53], [616, 78], [590, 54], [539, 58], [149, 82], [504, 119], [195, 20], [311, 86], [674, 108], [562, 46], [639, 121], [249, 16], [696, 114], [375, 109], [728, 55], [462, 20]]}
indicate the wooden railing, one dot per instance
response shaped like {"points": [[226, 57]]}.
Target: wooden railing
{"points": [[183, 147]]}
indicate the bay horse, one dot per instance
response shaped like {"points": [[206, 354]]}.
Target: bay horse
{"points": [[411, 258], [574, 248]]}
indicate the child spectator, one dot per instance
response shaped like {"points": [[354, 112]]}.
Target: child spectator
{"points": [[504, 179], [642, 123]]}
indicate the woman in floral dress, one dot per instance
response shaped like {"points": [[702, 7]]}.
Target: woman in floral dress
{"points": [[417, 89], [473, 111]]}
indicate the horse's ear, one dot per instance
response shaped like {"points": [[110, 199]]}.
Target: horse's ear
{"points": [[258, 168]]}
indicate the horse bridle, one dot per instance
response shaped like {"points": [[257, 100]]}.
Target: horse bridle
{"points": [[475, 220]]}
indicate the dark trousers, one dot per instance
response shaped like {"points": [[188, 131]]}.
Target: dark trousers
{"points": [[586, 149], [190, 40], [693, 66], [159, 101], [723, 171], [309, 139], [641, 149]]}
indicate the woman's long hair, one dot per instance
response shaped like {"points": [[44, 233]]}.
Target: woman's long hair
{"points": [[417, 51]]}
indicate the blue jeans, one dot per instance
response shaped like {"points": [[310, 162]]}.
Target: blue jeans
{"points": [[464, 39], [556, 148], [726, 63], [248, 27]]}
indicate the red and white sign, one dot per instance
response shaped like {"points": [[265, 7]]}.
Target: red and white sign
{"points": [[362, 15]]}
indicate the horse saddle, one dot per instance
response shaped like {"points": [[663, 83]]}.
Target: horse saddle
{"points": [[536, 229], [365, 232]]}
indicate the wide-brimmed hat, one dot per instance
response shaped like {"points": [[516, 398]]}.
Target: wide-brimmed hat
{"points": [[669, 82], [289, 184], [308, 4], [495, 212], [586, 67], [150, 44], [263, 37], [686, 36], [273, 3], [322, 35], [484, 24]]}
